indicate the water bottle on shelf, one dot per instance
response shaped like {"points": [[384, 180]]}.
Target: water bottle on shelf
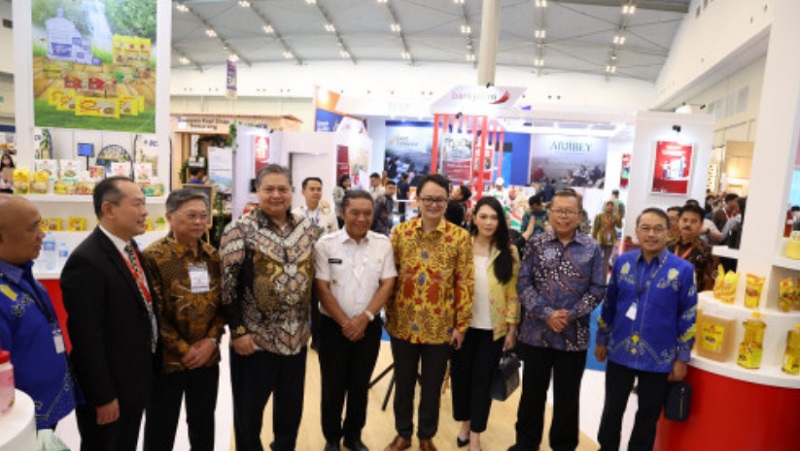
{"points": [[63, 253], [49, 254]]}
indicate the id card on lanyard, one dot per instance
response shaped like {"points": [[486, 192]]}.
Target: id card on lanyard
{"points": [[642, 288], [198, 278]]}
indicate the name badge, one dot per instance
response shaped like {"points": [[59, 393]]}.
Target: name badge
{"points": [[335, 261], [631, 313], [198, 276], [58, 341]]}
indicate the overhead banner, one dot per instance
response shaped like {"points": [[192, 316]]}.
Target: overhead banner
{"points": [[94, 64], [672, 168], [408, 149], [577, 161], [477, 99], [231, 80]]}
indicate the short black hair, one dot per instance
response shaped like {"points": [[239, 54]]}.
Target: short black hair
{"points": [[343, 178], [196, 171], [390, 182], [730, 197], [689, 208], [374, 175], [108, 191], [674, 208], [568, 193], [692, 202], [311, 179], [404, 176], [615, 192], [351, 194], [535, 200], [656, 211], [437, 179], [466, 193]]}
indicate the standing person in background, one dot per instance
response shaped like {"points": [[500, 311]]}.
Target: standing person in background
{"points": [[619, 206], [691, 248], [535, 218], [267, 274], [709, 232], [355, 275], [197, 176], [500, 192], [604, 230], [562, 280], [384, 211], [548, 191], [187, 284], [403, 188], [323, 221], [112, 319], [457, 206], [646, 331], [674, 214], [729, 209], [430, 311], [338, 195], [375, 187], [6, 174], [384, 178], [29, 328], [495, 314]]}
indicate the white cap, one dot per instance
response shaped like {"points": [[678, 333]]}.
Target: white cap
{"points": [[499, 181]]}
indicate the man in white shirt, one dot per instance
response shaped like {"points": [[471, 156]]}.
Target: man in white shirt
{"points": [[375, 186], [355, 275]]}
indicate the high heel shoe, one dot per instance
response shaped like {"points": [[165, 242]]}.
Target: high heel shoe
{"points": [[461, 442]]}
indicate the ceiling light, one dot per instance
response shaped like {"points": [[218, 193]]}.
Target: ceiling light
{"points": [[541, 3], [458, 2], [311, 2], [244, 3], [288, 55], [538, 62], [466, 29], [611, 69], [383, 1], [470, 57], [619, 39], [233, 57], [344, 54], [185, 61], [405, 55], [613, 57], [182, 8], [395, 27], [330, 28], [211, 33], [628, 9], [540, 34], [268, 29]]}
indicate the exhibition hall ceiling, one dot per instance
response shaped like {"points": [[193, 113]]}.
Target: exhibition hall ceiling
{"points": [[603, 37]]}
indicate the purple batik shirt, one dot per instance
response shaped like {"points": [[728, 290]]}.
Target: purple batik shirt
{"points": [[557, 277]]}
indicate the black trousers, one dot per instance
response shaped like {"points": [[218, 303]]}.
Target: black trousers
{"points": [[471, 370], [346, 368], [401, 209], [651, 392], [315, 318], [253, 379], [200, 387], [121, 435], [407, 357], [566, 368]]}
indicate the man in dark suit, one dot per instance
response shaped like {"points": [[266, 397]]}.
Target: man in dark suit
{"points": [[111, 321]]}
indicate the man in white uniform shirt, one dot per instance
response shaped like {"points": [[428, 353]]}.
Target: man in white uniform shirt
{"points": [[323, 221], [355, 275]]}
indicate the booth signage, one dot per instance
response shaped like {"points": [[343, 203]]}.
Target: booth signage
{"points": [[477, 99], [672, 168], [578, 161]]}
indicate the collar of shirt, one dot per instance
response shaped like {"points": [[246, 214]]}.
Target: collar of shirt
{"points": [[345, 237], [264, 221], [579, 238], [660, 258], [441, 228], [14, 273], [181, 249], [119, 243]]}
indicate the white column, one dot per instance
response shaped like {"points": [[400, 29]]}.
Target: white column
{"points": [[774, 155], [490, 33], [23, 81]]}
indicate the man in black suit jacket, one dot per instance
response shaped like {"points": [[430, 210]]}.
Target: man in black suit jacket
{"points": [[111, 320]]}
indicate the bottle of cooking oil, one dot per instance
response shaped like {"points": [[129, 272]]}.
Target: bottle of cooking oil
{"points": [[791, 358], [751, 348]]}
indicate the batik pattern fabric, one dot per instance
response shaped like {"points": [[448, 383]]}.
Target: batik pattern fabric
{"points": [[267, 276], [648, 318], [435, 283], [698, 253]]}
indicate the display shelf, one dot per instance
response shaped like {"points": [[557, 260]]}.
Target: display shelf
{"points": [[706, 300], [785, 262], [725, 251], [766, 375], [79, 199]]}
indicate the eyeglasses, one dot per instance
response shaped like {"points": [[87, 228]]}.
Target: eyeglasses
{"points": [[433, 200], [563, 212], [658, 230], [280, 190], [192, 217]]}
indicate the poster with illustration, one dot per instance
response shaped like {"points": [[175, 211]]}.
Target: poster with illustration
{"points": [[672, 168], [408, 149], [625, 171], [574, 161], [94, 64], [456, 154]]}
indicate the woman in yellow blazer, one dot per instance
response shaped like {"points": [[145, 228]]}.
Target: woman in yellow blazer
{"points": [[495, 314]]}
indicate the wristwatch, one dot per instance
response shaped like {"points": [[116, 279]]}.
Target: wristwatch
{"points": [[369, 314]]}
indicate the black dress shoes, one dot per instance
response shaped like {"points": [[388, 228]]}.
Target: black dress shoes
{"points": [[355, 445]]}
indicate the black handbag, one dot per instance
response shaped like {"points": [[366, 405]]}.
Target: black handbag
{"points": [[676, 407], [505, 379]]}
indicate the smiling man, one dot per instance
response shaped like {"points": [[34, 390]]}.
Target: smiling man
{"points": [[112, 319], [646, 331]]}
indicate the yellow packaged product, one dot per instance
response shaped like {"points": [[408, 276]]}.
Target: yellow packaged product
{"points": [[785, 294], [22, 181], [718, 281], [41, 182], [71, 188], [796, 298], [752, 292], [85, 187], [791, 357], [59, 187], [727, 292], [160, 223], [148, 224], [51, 224], [751, 348], [76, 224], [715, 338]]}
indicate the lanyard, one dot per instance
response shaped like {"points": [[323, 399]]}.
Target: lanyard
{"points": [[685, 254], [642, 289], [314, 220], [38, 297], [142, 286]]}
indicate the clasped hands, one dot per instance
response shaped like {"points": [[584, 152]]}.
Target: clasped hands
{"points": [[559, 319], [353, 329]]}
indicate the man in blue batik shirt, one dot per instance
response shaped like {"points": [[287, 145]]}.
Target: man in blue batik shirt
{"points": [[562, 280], [29, 328], [646, 331]]}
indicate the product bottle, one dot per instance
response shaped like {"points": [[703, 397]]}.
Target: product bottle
{"points": [[791, 358], [49, 254], [751, 348], [6, 381], [787, 227], [63, 253]]}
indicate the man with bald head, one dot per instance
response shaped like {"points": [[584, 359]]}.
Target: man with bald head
{"points": [[28, 325], [112, 321]]}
